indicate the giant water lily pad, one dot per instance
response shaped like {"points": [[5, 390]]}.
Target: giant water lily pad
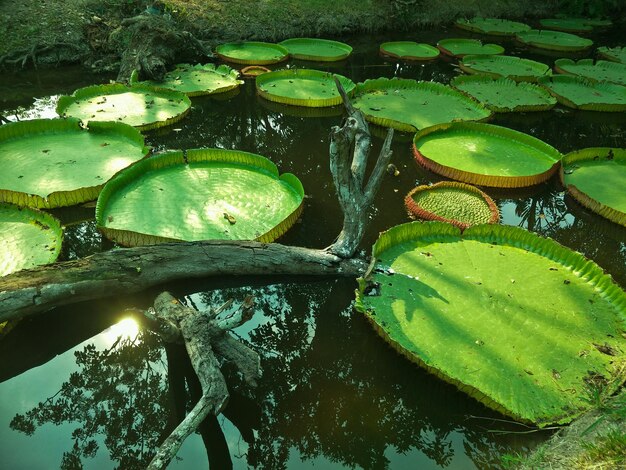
{"points": [[553, 40], [141, 106], [407, 105], [302, 87], [568, 25], [458, 47], [492, 26], [516, 68], [456, 203], [596, 177], [28, 238], [323, 50], [56, 162], [252, 53], [485, 155], [614, 54], [581, 93], [200, 195], [197, 80], [517, 321], [409, 50], [503, 95], [601, 71]]}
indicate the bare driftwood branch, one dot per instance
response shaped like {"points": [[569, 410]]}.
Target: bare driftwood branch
{"points": [[130, 270], [201, 333], [349, 152]]}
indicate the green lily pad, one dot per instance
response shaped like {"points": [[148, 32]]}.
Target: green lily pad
{"points": [[503, 95], [581, 93], [28, 238], [407, 105], [204, 194], [197, 80], [302, 87], [56, 162], [141, 106], [409, 50], [517, 321], [516, 68], [553, 40], [601, 71], [614, 54], [458, 47], [596, 178], [252, 53], [456, 203], [492, 26], [323, 50], [485, 155], [599, 22], [568, 25]]}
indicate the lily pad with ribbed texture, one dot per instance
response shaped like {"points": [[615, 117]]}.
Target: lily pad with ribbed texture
{"points": [[596, 177], [492, 26], [516, 321], [503, 95], [407, 105], [485, 155], [409, 50], [462, 47], [456, 203], [601, 71], [553, 40], [323, 50], [515, 68], [197, 80], [568, 25], [28, 238], [614, 54], [203, 195], [56, 162], [252, 53], [302, 87], [141, 106], [581, 93]]}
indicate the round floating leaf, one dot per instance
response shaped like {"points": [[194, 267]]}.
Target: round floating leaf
{"points": [[614, 54], [458, 47], [485, 155], [197, 80], [516, 68], [596, 178], [503, 95], [569, 25], [28, 238], [201, 195], [409, 50], [302, 87], [56, 162], [456, 203], [141, 106], [253, 71], [322, 50], [553, 40], [601, 71], [252, 53], [581, 93], [493, 26], [517, 321], [407, 105]]}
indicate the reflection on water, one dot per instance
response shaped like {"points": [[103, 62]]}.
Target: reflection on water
{"points": [[333, 395]]}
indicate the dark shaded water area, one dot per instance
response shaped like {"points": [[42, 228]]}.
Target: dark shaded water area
{"points": [[333, 395]]}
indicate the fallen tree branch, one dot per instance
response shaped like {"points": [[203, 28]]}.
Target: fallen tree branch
{"points": [[129, 270]]}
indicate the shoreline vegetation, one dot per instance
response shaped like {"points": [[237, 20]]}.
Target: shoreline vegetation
{"points": [[95, 33]]}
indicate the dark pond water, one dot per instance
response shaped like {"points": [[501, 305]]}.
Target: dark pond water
{"points": [[333, 394]]}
